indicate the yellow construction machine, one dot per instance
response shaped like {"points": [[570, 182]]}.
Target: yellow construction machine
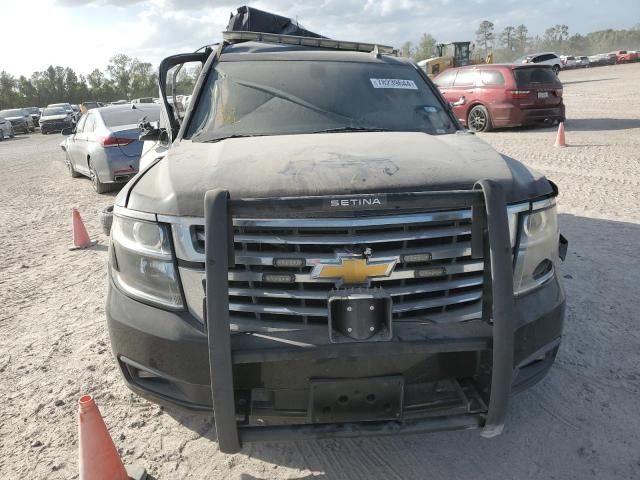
{"points": [[449, 55]]}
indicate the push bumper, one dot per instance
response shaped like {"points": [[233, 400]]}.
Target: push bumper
{"points": [[171, 359]]}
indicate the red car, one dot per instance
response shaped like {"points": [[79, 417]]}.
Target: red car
{"points": [[495, 96], [623, 56]]}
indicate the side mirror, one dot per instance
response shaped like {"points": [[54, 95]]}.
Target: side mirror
{"points": [[152, 134], [67, 131], [461, 101]]}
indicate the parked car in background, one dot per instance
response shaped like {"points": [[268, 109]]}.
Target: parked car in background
{"points": [[568, 62], [20, 119], [119, 102], [142, 100], [86, 106], [55, 119], [6, 129], [35, 115], [186, 100], [66, 106], [582, 62], [488, 96], [547, 58], [595, 60], [104, 145], [624, 56], [611, 58]]}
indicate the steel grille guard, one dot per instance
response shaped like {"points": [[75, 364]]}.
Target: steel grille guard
{"points": [[490, 239]]}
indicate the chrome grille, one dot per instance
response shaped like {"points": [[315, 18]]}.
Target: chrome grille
{"points": [[445, 236]]}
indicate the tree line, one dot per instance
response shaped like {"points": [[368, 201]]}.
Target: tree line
{"points": [[127, 78], [514, 41], [124, 78]]}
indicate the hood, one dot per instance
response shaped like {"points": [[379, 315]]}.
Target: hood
{"points": [[44, 118], [325, 164]]}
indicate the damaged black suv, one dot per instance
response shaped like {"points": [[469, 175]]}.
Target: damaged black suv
{"points": [[324, 251]]}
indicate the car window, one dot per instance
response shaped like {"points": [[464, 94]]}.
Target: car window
{"points": [[536, 75], [466, 78], [80, 125], [491, 77], [13, 113], [130, 116], [89, 124], [445, 79]]}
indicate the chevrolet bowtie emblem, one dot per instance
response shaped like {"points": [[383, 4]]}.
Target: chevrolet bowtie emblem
{"points": [[354, 271]]}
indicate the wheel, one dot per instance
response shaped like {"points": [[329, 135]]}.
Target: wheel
{"points": [[72, 171], [1, 136], [478, 119], [12, 134], [556, 69], [106, 219], [98, 186]]}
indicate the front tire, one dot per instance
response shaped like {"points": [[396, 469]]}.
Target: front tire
{"points": [[478, 119], [556, 69], [12, 134]]}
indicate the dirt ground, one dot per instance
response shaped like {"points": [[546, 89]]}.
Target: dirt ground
{"points": [[582, 421]]}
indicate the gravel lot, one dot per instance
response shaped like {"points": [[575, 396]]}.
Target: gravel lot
{"points": [[581, 422]]}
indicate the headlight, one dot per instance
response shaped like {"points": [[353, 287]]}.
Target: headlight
{"points": [[537, 252], [142, 263]]}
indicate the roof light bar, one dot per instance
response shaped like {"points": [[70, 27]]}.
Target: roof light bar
{"points": [[307, 42]]}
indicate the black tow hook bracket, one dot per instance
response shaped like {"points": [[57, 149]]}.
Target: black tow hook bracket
{"points": [[563, 246], [359, 315]]}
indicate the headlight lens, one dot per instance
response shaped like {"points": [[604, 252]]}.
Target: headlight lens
{"points": [[142, 264], [537, 252]]}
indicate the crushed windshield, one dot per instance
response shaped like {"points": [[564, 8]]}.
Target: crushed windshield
{"points": [[296, 97]]}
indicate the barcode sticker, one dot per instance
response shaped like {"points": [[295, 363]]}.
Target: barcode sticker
{"points": [[393, 83]]}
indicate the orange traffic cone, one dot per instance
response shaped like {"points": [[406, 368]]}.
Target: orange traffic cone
{"points": [[560, 140], [80, 236], [98, 455], [99, 459]]}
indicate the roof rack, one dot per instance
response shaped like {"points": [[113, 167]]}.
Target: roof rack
{"points": [[234, 37]]}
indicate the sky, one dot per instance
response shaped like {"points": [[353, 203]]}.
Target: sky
{"points": [[84, 34]]}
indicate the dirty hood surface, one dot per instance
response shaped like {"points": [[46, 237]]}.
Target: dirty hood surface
{"points": [[324, 164]]}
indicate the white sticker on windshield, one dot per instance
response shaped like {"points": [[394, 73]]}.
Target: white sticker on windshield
{"points": [[393, 83]]}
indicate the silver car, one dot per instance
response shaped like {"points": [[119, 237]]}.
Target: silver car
{"points": [[19, 118], [104, 145], [6, 129]]}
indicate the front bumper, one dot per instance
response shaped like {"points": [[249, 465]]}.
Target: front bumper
{"points": [[173, 346], [54, 126]]}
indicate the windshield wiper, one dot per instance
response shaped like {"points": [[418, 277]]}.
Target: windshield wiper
{"points": [[353, 129], [236, 135]]}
